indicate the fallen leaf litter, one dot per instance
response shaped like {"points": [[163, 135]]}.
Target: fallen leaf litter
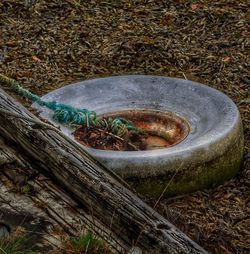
{"points": [[48, 44]]}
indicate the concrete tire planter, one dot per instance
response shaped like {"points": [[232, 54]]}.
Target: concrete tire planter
{"points": [[210, 154]]}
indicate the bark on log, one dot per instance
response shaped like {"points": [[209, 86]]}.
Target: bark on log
{"points": [[47, 215], [91, 184]]}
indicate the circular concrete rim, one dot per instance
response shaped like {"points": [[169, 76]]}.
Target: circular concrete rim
{"points": [[214, 119]]}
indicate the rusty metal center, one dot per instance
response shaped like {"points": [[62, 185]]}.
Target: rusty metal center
{"points": [[164, 128]]}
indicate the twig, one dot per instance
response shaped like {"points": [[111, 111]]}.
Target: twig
{"points": [[119, 138], [184, 75]]}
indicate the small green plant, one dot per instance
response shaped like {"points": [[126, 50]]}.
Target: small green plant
{"points": [[25, 189], [75, 3], [10, 245], [87, 243]]}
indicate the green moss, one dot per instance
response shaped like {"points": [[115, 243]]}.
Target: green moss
{"points": [[191, 179]]}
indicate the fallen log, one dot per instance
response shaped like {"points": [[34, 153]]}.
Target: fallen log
{"points": [[90, 183], [47, 214]]}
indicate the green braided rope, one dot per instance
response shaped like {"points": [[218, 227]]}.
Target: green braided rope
{"points": [[66, 114]]}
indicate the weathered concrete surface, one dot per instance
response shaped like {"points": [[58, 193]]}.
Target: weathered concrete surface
{"points": [[210, 154]]}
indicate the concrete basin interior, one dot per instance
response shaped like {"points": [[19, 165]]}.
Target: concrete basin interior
{"points": [[163, 128]]}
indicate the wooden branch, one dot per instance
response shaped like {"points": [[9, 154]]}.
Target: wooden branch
{"points": [[92, 185]]}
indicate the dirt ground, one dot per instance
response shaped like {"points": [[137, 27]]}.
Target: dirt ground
{"points": [[48, 44]]}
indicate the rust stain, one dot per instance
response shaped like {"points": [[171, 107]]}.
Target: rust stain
{"points": [[164, 129]]}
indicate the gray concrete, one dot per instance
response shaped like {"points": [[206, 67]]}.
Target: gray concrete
{"points": [[215, 129]]}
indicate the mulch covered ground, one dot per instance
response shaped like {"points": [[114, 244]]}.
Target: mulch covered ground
{"points": [[48, 44]]}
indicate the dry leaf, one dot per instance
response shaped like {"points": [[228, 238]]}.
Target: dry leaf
{"points": [[226, 59], [194, 6], [35, 58]]}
